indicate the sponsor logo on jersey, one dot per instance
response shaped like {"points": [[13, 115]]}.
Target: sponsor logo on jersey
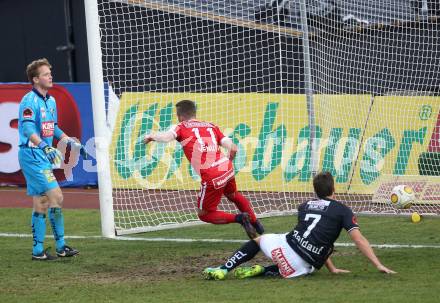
{"points": [[208, 148], [27, 113], [302, 242], [47, 129], [280, 260], [320, 205]]}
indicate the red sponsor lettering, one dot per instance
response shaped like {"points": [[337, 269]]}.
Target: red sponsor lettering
{"points": [[280, 260], [47, 129]]}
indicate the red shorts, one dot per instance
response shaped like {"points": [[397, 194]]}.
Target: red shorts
{"points": [[215, 183]]}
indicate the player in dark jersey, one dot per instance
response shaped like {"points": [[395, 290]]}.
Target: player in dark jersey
{"points": [[201, 143], [308, 246]]}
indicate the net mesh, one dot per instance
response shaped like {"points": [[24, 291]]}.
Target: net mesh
{"points": [[375, 79]]}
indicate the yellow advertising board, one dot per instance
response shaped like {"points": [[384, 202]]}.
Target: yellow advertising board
{"points": [[263, 125], [272, 133], [398, 132]]}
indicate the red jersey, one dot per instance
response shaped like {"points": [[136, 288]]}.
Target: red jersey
{"points": [[201, 144]]}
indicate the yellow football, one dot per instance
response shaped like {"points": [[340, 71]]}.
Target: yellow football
{"points": [[415, 217]]}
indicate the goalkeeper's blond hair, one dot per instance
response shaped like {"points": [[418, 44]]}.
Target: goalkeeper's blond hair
{"points": [[32, 68]]}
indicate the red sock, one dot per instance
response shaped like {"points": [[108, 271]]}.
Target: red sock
{"points": [[218, 217], [242, 204]]}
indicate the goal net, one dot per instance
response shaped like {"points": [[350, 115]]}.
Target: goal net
{"points": [[300, 86]]}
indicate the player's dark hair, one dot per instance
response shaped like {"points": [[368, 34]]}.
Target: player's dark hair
{"points": [[186, 108], [32, 68], [324, 184]]}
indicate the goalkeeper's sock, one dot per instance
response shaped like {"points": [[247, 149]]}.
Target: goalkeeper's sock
{"points": [[244, 254], [218, 217], [56, 218], [242, 204], [38, 232]]}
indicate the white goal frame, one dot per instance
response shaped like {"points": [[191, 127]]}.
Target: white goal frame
{"points": [[315, 106]]}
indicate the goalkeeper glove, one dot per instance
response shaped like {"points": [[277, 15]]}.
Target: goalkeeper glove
{"points": [[77, 146], [52, 154]]}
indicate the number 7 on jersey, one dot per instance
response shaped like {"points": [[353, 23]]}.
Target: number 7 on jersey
{"points": [[315, 219]]}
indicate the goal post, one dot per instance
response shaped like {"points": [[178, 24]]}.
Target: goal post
{"points": [[299, 87], [99, 119]]}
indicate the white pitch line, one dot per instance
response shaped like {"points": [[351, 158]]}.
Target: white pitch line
{"points": [[186, 240], [85, 192], [11, 235]]}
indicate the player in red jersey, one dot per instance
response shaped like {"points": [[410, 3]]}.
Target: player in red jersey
{"points": [[201, 143]]}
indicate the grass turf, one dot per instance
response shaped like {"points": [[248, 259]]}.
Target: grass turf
{"points": [[138, 271]]}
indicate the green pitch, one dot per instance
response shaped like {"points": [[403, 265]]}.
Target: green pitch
{"points": [[142, 271]]}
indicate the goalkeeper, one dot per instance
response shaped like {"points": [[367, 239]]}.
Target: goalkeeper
{"points": [[308, 246], [37, 125], [201, 141]]}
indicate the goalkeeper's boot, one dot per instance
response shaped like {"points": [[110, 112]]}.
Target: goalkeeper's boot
{"points": [[258, 227], [247, 272], [245, 221], [214, 273], [44, 256], [67, 251]]}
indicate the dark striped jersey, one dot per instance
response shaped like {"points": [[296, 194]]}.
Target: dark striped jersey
{"points": [[319, 224]]}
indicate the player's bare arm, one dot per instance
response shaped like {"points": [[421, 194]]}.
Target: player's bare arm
{"points": [[227, 143], [333, 269], [364, 246], [164, 137]]}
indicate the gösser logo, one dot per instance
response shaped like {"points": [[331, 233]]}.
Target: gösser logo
{"points": [[10, 97]]}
